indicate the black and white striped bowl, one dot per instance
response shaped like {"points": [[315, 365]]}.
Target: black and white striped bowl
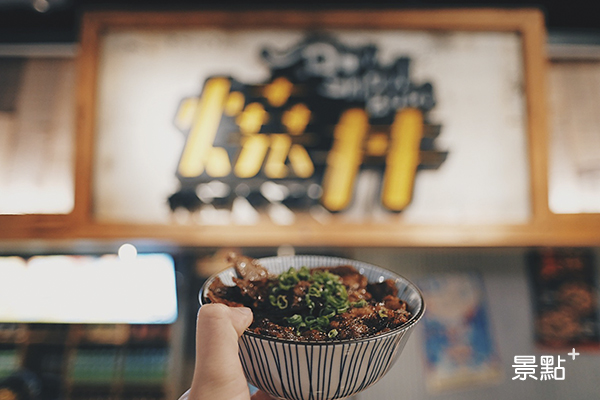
{"points": [[320, 370]]}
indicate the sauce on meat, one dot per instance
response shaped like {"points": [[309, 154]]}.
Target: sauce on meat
{"points": [[326, 303]]}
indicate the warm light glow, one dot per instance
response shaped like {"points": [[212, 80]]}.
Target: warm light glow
{"points": [[275, 167], [403, 159], [204, 128], [41, 5], [254, 150], [344, 159], [127, 252], [85, 289]]}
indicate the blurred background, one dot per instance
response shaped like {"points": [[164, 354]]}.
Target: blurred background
{"points": [[59, 20], [529, 297]]}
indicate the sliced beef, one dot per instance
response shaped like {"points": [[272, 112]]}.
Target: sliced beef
{"points": [[248, 268], [380, 290], [265, 327], [393, 303], [218, 292], [254, 293], [382, 309]]}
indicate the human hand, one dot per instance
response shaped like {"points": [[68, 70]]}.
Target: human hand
{"points": [[218, 373]]}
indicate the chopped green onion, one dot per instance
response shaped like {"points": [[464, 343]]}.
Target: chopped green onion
{"points": [[288, 279], [309, 303], [332, 333], [325, 298], [327, 312], [342, 310], [315, 290], [282, 301], [359, 304], [323, 322], [304, 273]]}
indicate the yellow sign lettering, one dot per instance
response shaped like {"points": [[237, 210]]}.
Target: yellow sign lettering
{"points": [[344, 159], [280, 147], [402, 159], [204, 128], [252, 155]]}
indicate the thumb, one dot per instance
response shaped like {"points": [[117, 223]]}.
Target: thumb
{"points": [[217, 322], [241, 318], [218, 374]]}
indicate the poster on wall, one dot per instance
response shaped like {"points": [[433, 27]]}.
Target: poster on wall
{"points": [[564, 292], [217, 125], [459, 347]]}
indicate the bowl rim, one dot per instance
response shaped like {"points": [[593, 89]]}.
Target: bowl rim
{"points": [[404, 327]]}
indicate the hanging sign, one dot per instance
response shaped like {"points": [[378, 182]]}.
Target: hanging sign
{"points": [[326, 112], [202, 121]]}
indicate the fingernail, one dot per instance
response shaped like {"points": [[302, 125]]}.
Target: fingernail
{"points": [[244, 311]]}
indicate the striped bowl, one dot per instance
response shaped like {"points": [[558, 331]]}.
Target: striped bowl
{"points": [[322, 370]]}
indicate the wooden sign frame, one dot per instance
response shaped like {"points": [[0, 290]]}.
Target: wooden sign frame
{"points": [[541, 229], [46, 137], [566, 62]]}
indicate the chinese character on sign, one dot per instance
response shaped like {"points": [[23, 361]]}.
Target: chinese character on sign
{"points": [[308, 129], [524, 367]]}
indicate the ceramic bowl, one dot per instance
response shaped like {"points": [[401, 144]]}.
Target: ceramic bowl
{"points": [[323, 370]]}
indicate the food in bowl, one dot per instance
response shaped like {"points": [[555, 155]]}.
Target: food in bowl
{"points": [[323, 303], [319, 369]]}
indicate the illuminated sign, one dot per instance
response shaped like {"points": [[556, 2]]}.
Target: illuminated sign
{"points": [[327, 112], [89, 289]]}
